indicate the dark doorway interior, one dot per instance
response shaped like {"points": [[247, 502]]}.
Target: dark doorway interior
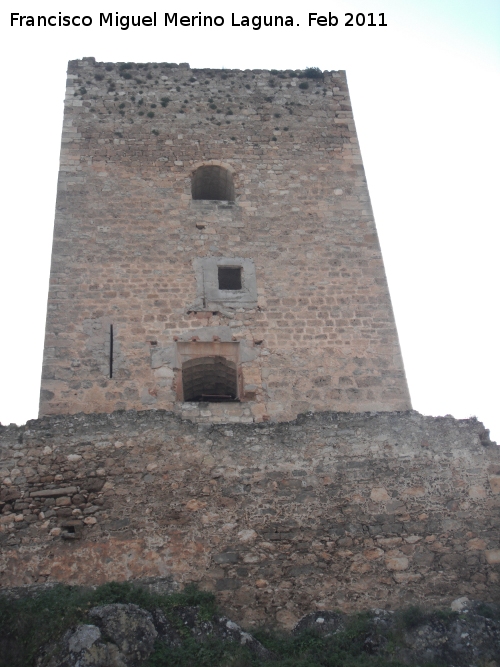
{"points": [[211, 379]]}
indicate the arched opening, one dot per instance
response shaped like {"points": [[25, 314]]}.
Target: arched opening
{"points": [[212, 183], [211, 379]]}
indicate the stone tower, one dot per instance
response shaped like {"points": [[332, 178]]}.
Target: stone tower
{"points": [[215, 252]]}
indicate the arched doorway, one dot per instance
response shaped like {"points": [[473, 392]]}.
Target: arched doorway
{"points": [[211, 379]]}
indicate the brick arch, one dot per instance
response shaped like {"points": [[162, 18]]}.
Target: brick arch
{"points": [[212, 181], [213, 378]]}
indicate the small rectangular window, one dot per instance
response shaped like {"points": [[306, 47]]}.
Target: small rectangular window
{"points": [[229, 277]]}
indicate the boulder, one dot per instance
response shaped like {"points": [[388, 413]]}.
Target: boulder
{"points": [[123, 635]]}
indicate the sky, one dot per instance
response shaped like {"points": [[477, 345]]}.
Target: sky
{"points": [[425, 93]]}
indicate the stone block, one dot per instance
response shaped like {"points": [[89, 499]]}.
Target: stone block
{"points": [[397, 564]]}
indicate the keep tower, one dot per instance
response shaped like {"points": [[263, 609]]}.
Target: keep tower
{"points": [[215, 251]]}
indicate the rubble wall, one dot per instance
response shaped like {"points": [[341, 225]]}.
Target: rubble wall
{"points": [[332, 510]]}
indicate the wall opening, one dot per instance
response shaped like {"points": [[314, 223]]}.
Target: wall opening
{"points": [[211, 379], [229, 281], [212, 183], [229, 277]]}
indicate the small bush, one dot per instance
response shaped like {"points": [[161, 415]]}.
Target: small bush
{"points": [[126, 75], [313, 73], [484, 609], [99, 77], [210, 653], [304, 85], [122, 105], [150, 114], [411, 617]]}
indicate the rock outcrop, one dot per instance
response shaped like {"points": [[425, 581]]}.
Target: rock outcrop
{"points": [[466, 636], [124, 635]]}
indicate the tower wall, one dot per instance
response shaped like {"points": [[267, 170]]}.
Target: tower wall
{"points": [[133, 288]]}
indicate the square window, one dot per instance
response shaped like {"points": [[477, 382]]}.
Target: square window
{"points": [[226, 281], [229, 277]]}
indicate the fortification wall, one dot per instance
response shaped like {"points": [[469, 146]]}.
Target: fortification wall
{"points": [[330, 510], [313, 329]]}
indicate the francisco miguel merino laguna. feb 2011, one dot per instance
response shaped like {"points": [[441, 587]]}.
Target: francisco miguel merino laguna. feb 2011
{"points": [[124, 22]]}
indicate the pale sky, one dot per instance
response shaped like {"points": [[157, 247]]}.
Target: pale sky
{"points": [[425, 93]]}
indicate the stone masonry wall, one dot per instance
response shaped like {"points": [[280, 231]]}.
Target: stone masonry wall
{"points": [[332, 510], [130, 242]]}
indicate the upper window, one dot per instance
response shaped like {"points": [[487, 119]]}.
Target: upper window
{"points": [[212, 183], [229, 277]]}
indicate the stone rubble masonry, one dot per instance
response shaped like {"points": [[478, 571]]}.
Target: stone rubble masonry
{"points": [[131, 245], [331, 510]]}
